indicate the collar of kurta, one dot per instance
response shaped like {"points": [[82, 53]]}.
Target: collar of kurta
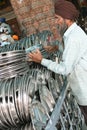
{"points": [[69, 30]]}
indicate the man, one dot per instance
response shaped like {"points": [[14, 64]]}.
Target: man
{"points": [[74, 60]]}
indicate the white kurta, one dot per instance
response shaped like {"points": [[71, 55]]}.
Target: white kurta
{"points": [[74, 62]]}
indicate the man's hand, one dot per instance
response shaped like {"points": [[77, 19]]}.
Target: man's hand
{"points": [[35, 56], [51, 48]]}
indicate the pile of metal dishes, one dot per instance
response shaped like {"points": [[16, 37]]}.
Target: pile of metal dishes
{"points": [[28, 98], [12, 63]]}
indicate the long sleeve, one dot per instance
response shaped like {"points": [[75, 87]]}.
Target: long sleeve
{"points": [[65, 67], [69, 60], [73, 51]]}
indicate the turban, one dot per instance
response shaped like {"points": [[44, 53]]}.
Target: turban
{"points": [[66, 9]]}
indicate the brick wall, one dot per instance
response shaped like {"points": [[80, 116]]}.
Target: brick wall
{"points": [[33, 15]]}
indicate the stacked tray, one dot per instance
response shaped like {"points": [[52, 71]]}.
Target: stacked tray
{"points": [[12, 63]]}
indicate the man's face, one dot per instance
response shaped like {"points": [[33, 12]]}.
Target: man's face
{"points": [[61, 24]]}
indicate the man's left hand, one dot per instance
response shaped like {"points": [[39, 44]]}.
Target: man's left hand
{"points": [[35, 56]]}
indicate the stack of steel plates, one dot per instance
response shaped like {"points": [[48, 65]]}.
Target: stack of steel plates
{"points": [[27, 99], [12, 63]]}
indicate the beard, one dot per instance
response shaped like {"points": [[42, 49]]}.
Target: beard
{"points": [[62, 28]]}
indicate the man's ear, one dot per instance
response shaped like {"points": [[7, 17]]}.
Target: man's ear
{"points": [[69, 22]]}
